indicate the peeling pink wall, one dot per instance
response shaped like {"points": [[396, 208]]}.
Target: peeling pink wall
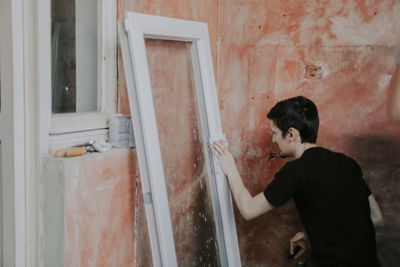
{"points": [[261, 50], [91, 210], [100, 211], [265, 47]]}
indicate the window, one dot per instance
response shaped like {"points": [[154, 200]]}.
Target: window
{"points": [[77, 70], [13, 157], [196, 96]]}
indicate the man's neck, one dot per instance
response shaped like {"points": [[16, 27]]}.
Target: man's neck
{"points": [[301, 148]]}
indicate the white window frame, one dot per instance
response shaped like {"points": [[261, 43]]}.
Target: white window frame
{"points": [[61, 130], [137, 27], [12, 134]]}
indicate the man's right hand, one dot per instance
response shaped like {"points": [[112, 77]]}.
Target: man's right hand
{"points": [[299, 240]]}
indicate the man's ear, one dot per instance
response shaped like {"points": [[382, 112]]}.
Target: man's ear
{"points": [[294, 134]]}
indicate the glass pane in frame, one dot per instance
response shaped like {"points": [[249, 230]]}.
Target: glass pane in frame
{"points": [[74, 53], [63, 56], [184, 152]]}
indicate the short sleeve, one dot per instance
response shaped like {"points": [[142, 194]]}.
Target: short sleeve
{"points": [[358, 172], [365, 188], [282, 187]]}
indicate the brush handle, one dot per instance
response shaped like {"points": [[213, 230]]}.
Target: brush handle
{"points": [[70, 152]]}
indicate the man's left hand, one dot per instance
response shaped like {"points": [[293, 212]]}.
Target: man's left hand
{"points": [[224, 157]]}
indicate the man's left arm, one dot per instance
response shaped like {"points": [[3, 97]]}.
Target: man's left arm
{"points": [[250, 207]]}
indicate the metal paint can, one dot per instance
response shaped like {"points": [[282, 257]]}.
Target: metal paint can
{"points": [[121, 131]]}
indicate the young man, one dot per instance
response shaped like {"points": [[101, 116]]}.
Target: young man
{"points": [[333, 201]]}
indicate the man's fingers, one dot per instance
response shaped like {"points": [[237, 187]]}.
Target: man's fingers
{"points": [[297, 248], [219, 147], [300, 253], [298, 236], [217, 150], [295, 241], [292, 246], [303, 248]]}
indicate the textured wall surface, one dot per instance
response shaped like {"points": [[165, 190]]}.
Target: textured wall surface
{"points": [[338, 53], [88, 211], [100, 211], [265, 54]]}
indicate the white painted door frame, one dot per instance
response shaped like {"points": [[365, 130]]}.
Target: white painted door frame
{"points": [[12, 132], [138, 27]]}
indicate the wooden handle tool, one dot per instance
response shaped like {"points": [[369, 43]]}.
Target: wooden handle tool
{"points": [[71, 152]]}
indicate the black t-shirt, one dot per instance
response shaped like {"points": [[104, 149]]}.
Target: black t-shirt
{"points": [[331, 197]]}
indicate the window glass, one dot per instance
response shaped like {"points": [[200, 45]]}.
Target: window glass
{"points": [[184, 153], [74, 51]]}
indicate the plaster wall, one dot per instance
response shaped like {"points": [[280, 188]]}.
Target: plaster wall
{"points": [[88, 211], [340, 54], [265, 48], [263, 51]]}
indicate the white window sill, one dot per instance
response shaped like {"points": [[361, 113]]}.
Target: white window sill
{"points": [[77, 122], [71, 129]]}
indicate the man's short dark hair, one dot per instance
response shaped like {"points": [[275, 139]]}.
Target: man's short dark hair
{"points": [[297, 112]]}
